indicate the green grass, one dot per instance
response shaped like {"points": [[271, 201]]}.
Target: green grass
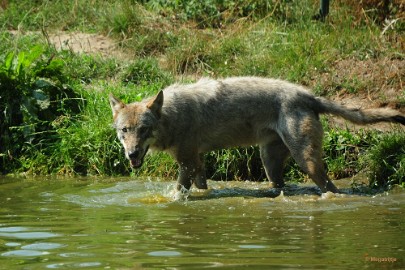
{"points": [[166, 41], [385, 161]]}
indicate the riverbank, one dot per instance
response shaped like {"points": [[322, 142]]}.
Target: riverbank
{"points": [[60, 60]]}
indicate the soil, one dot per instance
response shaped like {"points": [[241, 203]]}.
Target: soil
{"points": [[378, 82], [86, 43]]}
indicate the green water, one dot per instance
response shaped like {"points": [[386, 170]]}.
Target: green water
{"points": [[134, 224]]}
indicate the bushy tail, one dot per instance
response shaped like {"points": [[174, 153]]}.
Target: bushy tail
{"points": [[362, 117]]}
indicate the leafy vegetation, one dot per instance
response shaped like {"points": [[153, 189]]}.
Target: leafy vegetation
{"points": [[385, 161], [33, 97], [55, 117], [343, 148]]}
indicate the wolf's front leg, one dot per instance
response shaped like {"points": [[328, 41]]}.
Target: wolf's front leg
{"points": [[200, 179], [192, 170], [190, 174], [184, 180]]}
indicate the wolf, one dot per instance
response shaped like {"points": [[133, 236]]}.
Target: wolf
{"points": [[188, 120]]}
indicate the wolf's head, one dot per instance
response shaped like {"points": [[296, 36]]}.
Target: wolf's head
{"points": [[135, 124]]}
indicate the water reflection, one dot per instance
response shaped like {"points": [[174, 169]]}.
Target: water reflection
{"points": [[24, 253], [24, 233], [164, 253]]}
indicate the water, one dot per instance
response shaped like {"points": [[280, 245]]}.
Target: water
{"points": [[134, 224]]}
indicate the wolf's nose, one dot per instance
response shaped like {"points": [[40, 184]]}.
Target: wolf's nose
{"points": [[134, 154]]}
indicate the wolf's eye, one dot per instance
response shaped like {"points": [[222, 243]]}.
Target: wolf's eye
{"points": [[124, 130]]}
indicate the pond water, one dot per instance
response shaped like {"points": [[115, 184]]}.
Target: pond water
{"points": [[125, 223]]}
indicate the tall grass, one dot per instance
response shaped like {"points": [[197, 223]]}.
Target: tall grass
{"points": [[385, 161]]}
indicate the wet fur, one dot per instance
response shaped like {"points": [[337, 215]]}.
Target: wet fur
{"points": [[189, 120]]}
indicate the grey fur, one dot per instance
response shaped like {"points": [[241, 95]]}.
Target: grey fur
{"points": [[190, 120]]}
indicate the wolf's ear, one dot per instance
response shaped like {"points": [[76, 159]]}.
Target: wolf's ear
{"points": [[155, 104], [115, 104]]}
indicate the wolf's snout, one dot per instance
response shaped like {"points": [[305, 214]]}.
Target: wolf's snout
{"points": [[134, 154]]}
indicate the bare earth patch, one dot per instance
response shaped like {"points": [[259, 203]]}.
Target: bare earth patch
{"points": [[380, 81], [369, 83], [79, 42], [86, 43]]}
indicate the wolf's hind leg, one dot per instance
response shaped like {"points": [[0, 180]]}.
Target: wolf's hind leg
{"points": [[273, 156], [304, 140]]}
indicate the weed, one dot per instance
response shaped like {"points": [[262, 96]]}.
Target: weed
{"points": [[237, 163], [145, 71], [33, 95], [385, 161], [342, 149], [193, 56], [88, 68]]}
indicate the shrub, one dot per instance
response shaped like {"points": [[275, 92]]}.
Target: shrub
{"points": [[33, 95]]}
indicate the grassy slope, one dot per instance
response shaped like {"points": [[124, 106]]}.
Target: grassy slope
{"points": [[168, 43]]}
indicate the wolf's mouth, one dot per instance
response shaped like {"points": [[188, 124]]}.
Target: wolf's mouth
{"points": [[137, 162]]}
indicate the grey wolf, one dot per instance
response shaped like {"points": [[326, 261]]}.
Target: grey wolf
{"points": [[282, 118]]}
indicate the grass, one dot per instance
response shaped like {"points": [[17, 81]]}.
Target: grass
{"points": [[167, 41], [385, 161]]}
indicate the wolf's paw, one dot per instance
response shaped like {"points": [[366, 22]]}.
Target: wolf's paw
{"points": [[181, 195]]}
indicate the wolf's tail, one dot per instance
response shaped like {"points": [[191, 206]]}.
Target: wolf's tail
{"points": [[358, 116]]}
